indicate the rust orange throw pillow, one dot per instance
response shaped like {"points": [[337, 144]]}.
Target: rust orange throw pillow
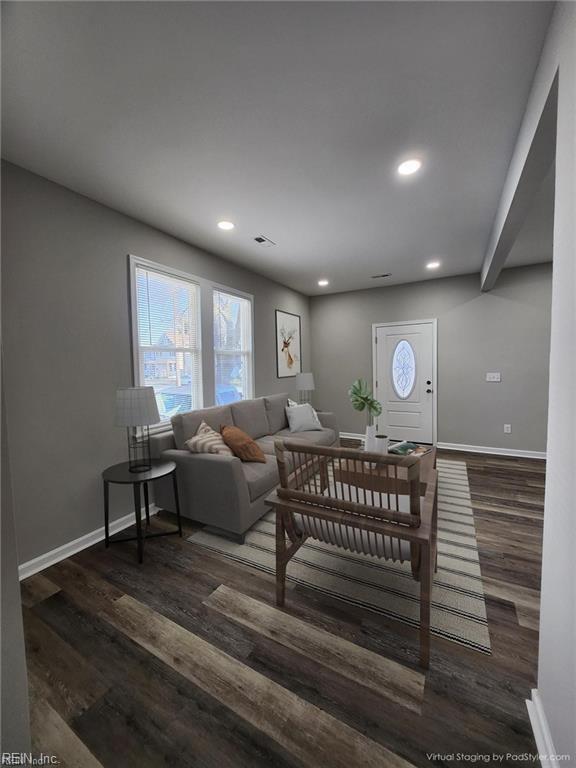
{"points": [[242, 444]]}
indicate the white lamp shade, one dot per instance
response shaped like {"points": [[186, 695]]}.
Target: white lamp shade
{"points": [[305, 382], [136, 407]]}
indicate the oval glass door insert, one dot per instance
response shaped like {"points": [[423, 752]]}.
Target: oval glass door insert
{"points": [[403, 369]]}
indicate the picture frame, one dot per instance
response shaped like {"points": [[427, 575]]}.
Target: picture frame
{"points": [[288, 345]]}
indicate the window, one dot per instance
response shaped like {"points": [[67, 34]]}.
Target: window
{"points": [[232, 347], [167, 337], [403, 369]]}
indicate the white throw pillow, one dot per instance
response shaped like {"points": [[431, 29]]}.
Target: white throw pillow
{"points": [[302, 418], [207, 440]]}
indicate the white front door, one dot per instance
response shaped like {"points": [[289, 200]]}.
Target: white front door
{"points": [[405, 380]]}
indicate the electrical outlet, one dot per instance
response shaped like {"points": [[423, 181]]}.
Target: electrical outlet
{"points": [[493, 376], [507, 429]]}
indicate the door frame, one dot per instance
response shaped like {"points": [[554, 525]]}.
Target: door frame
{"points": [[434, 323]]}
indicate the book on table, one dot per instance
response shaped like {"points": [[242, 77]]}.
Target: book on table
{"points": [[406, 448]]}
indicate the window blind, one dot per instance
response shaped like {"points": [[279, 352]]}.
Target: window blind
{"points": [[232, 347], [168, 336]]}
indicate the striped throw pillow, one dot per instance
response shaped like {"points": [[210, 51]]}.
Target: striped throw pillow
{"points": [[207, 440]]}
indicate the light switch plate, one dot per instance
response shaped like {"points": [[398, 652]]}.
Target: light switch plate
{"points": [[493, 376]]}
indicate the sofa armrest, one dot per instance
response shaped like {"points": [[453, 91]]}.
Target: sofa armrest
{"points": [[212, 487], [160, 442], [328, 420]]}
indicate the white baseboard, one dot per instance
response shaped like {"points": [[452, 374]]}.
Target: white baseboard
{"points": [[517, 452], [72, 547], [542, 735], [471, 448]]}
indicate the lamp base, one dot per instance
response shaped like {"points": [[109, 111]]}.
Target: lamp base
{"points": [[139, 450]]}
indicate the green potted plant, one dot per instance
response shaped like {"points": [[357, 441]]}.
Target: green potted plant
{"points": [[363, 400]]}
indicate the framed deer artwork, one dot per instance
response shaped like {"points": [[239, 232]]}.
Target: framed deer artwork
{"points": [[288, 344]]}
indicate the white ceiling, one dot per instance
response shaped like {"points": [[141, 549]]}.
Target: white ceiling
{"points": [[289, 119]]}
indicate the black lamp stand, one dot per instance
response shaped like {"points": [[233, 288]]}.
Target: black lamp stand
{"points": [[139, 449]]}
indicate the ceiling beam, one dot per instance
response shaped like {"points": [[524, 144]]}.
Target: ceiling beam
{"points": [[538, 160]]}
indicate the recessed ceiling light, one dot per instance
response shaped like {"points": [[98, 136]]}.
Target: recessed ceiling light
{"points": [[225, 225], [433, 265], [408, 167], [323, 283]]}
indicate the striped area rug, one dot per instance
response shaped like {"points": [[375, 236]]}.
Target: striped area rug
{"points": [[458, 608]]}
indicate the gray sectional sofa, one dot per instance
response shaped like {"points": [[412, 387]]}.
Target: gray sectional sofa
{"points": [[226, 494]]}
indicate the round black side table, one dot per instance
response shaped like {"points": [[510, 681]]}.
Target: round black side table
{"points": [[120, 473]]}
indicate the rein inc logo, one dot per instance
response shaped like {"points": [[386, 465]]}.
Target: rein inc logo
{"points": [[27, 758]]}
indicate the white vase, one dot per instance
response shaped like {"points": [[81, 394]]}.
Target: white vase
{"points": [[370, 439], [381, 443]]}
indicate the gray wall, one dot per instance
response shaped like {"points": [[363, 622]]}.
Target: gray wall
{"points": [[506, 330], [14, 715], [557, 651], [67, 347]]}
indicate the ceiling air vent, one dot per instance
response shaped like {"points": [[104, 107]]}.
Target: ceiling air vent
{"points": [[378, 277], [265, 242]]}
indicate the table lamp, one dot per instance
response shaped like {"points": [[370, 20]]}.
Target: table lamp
{"points": [[305, 386], [136, 409]]}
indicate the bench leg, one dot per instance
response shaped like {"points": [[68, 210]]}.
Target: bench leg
{"points": [[425, 599], [280, 560]]}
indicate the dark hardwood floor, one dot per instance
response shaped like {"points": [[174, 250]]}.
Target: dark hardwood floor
{"points": [[159, 664]]}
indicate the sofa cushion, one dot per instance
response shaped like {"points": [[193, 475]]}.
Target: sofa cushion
{"points": [[250, 417], [266, 444], [242, 445], [318, 437], [302, 418], [261, 478], [185, 425], [207, 440], [276, 412]]}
